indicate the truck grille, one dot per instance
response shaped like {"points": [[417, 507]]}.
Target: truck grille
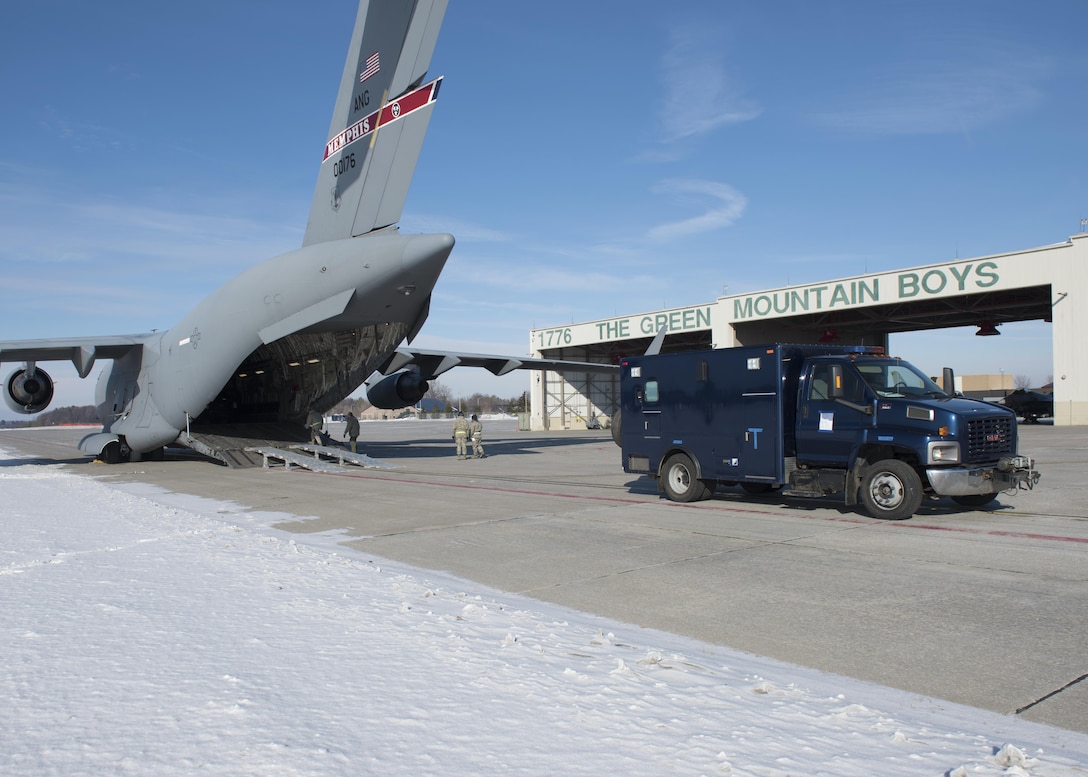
{"points": [[990, 438]]}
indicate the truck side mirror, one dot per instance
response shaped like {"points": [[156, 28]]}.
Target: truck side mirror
{"points": [[948, 378], [834, 391]]}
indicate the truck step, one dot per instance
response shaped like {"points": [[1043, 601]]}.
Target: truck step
{"points": [[801, 492]]}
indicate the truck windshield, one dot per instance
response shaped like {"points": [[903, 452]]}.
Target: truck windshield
{"points": [[896, 378]]}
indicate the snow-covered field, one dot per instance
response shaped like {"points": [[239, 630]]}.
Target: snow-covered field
{"points": [[160, 634]]}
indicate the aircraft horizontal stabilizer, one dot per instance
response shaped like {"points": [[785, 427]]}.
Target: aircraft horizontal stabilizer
{"points": [[314, 314]]}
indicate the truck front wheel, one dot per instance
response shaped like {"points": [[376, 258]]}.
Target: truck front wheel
{"points": [[891, 489], [679, 480]]}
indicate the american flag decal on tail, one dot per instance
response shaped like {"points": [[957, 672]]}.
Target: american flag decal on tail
{"points": [[370, 67]]}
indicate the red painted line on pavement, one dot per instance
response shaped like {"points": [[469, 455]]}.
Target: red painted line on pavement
{"points": [[699, 506], [478, 487], [993, 532], [729, 508]]}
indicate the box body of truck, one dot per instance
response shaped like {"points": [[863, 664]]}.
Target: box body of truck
{"points": [[813, 420]]}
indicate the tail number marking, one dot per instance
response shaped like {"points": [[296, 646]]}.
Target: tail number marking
{"points": [[342, 165]]}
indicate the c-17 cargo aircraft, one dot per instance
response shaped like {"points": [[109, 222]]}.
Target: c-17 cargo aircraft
{"points": [[303, 330]]}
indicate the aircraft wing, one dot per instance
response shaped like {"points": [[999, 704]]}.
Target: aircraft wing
{"points": [[434, 363], [82, 352]]}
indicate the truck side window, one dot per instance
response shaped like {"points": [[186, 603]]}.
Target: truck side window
{"points": [[818, 389], [821, 379], [651, 391], [852, 390]]}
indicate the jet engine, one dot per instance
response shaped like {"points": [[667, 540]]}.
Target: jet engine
{"points": [[401, 389], [28, 390]]}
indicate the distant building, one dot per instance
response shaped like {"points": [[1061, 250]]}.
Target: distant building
{"points": [[427, 406], [984, 386], [1049, 283]]}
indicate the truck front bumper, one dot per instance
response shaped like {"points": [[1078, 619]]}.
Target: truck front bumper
{"points": [[1012, 472]]}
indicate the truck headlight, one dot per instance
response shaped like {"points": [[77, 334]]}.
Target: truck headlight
{"points": [[942, 452]]}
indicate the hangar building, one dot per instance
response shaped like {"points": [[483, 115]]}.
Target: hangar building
{"points": [[1049, 283]]}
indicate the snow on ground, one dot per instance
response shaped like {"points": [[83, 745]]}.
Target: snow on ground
{"points": [[153, 633]]}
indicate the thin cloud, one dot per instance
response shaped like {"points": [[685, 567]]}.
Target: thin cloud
{"points": [[530, 279], [700, 94], [459, 228], [39, 231], [727, 205], [938, 95]]}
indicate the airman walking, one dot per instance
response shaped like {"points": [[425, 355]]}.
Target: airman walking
{"points": [[460, 434], [314, 422], [351, 430], [476, 432]]}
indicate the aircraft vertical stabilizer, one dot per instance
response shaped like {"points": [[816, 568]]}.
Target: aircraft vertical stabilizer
{"points": [[381, 116]]}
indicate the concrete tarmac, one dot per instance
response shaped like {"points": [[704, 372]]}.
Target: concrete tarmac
{"points": [[985, 608]]}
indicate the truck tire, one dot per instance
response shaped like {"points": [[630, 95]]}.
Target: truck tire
{"points": [[891, 490], [974, 500], [680, 482], [617, 429]]}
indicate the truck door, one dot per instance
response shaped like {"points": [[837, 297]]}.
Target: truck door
{"points": [[827, 428], [648, 398], [758, 426]]}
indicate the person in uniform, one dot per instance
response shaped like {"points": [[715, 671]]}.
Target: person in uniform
{"points": [[351, 430], [313, 424], [476, 432], [460, 434]]}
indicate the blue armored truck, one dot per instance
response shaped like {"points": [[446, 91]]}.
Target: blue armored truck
{"points": [[811, 421]]}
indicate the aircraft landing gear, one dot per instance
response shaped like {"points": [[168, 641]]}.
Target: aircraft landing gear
{"points": [[116, 452]]}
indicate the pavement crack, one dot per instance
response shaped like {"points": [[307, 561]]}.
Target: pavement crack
{"points": [[1052, 694]]}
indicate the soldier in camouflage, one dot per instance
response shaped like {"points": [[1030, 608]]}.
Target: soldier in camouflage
{"points": [[476, 432], [460, 434]]}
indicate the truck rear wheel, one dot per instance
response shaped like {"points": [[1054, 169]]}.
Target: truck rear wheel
{"points": [[891, 490], [680, 482]]}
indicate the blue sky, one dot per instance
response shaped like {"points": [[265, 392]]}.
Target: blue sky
{"points": [[593, 159]]}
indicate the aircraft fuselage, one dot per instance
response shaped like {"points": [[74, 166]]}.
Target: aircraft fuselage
{"points": [[287, 315]]}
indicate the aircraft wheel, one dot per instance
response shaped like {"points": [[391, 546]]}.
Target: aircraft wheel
{"points": [[115, 453], [680, 482], [891, 490]]}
